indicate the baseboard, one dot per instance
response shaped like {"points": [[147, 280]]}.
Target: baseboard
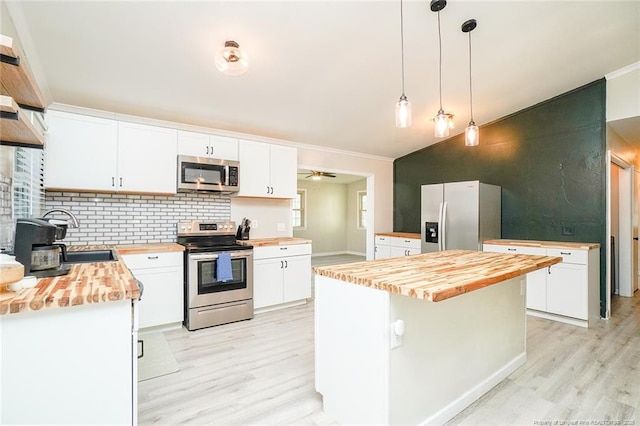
{"points": [[466, 399], [357, 253], [160, 328], [559, 318], [280, 306]]}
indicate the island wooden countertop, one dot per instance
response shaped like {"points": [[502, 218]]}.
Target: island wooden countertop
{"points": [[277, 241], [544, 244], [85, 283], [407, 235], [437, 276]]}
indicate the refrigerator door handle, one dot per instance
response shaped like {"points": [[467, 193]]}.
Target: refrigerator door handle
{"points": [[440, 228], [443, 235]]}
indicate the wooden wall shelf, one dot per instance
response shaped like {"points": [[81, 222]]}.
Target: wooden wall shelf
{"points": [[17, 79], [15, 127]]}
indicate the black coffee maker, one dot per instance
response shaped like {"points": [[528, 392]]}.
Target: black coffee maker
{"points": [[34, 247]]}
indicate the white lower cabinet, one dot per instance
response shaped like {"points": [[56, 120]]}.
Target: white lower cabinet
{"points": [[282, 275], [161, 274], [387, 246], [568, 291]]}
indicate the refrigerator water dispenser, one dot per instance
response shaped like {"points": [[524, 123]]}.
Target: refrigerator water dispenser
{"points": [[431, 232]]}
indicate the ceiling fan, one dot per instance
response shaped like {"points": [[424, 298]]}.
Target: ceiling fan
{"points": [[314, 175]]}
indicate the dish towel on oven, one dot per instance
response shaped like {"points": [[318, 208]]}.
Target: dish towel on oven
{"points": [[223, 271]]}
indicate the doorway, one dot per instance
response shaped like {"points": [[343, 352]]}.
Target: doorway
{"points": [[621, 278]]}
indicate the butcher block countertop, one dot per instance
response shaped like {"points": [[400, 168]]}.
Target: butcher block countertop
{"points": [[85, 283], [544, 244], [437, 276], [408, 235], [278, 241]]}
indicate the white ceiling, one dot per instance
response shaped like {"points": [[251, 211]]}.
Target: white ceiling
{"points": [[323, 73], [340, 178]]}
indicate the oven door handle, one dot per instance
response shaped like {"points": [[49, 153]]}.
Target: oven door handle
{"points": [[212, 256]]}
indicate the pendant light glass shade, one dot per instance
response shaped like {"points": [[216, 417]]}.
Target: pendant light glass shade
{"points": [[471, 135], [231, 60], [403, 112], [441, 124], [403, 107], [472, 132]]}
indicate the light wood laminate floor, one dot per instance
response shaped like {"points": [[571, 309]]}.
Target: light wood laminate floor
{"points": [[262, 371]]}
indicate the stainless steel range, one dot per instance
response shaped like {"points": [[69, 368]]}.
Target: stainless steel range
{"points": [[211, 301]]}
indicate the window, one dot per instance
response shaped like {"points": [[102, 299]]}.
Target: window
{"points": [[28, 182], [298, 213], [362, 209]]}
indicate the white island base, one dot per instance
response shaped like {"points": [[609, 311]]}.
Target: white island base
{"points": [[451, 353]]}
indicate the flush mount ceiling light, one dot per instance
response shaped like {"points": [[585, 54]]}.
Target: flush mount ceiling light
{"points": [[471, 133], [443, 120], [231, 60], [403, 107]]}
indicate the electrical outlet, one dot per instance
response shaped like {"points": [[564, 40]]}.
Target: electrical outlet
{"points": [[254, 223], [281, 227], [568, 230]]}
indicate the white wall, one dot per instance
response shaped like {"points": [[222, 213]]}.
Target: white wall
{"points": [[623, 93], [266, 214]]}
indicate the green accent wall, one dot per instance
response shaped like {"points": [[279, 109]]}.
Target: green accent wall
{"points": [[549, 160]]}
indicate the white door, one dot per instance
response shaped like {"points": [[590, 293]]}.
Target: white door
{"points": [[567, 290], [147, 158], [382, 251], [297, 278], [267, 282], [193, 144], [283, 172], [537, 290], [254, 169], [223, 147], [81, 152], [162, 299]]}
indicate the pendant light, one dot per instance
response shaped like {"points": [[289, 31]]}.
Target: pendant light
{"points": [[230, 60], [443, 121], [471, 133], [403, 107]]}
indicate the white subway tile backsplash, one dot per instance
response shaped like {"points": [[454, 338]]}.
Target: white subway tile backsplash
{"points": [[135, 219]]}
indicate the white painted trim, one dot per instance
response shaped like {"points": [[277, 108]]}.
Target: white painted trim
{"points": [[559, 318], [622, 71], [281, 306], [607, 247], [219, 132], [450, 411]]}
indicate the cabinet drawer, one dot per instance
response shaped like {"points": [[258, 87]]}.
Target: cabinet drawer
{"points": [[153, 260], [496, 248], [382, 241], [408, 243], [570, 256], [281, 250]]}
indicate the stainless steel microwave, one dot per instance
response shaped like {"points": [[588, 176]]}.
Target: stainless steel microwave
{"points": [[208, 174]]}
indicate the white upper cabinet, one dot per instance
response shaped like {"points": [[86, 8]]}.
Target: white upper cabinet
{"points": [[267, 170], [94, 154], [147, 158], [80, 152], [205, 145]]}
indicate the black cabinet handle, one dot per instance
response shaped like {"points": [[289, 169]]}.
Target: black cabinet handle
{"points": [[141, 343], [635, 238], [286, 264], [512, 249], [281, 264], [207, 149], [113, 181], [267, 189], [120, 182], [565, 253], [152, 257]]}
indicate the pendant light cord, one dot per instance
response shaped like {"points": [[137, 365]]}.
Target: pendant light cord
{"points": [[440, 49], [470, 89], [402, 43]]}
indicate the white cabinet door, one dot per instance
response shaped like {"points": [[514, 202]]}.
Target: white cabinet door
{"points": [[567, 290], [223, 147], [297, 278], [146, 158], [80, 152], [400, 251], [205, 145], [254, 169], [537, 290], [193, 144], [283, 172], [163, 296], [411, 252], [382, 251], [267, 282]]}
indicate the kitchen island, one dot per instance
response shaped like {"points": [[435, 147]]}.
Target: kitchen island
{"points": [[417, 339]]}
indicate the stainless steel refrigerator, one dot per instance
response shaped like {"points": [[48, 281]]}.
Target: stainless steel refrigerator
{"points": [[459, 215]]}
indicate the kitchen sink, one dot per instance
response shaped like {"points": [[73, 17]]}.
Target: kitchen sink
{"points": [[90, 256]]}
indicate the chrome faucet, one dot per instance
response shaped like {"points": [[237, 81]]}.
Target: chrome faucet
{"points": [[74, 220]]}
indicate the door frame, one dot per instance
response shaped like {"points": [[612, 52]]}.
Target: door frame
{"points": [[625, 229]]}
